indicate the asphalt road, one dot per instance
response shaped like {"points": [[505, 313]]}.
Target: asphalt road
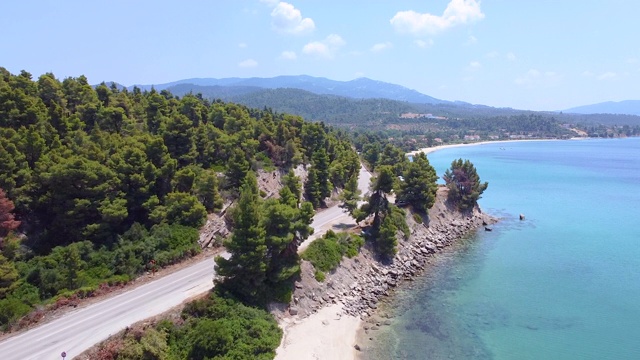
{"points": [[77, 331], [335, 218], [80, 329]]}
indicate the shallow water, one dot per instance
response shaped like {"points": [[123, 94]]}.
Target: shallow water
{"points": [[563, 284]]}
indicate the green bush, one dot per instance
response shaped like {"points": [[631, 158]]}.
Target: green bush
{"points": [[319, 275], [417, 218], [11, 309], [399, 221], [220, 327], [263, 161], [350, 244], [326, 253]]}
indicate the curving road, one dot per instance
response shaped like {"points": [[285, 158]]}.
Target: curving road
{"points": [[80, 329]]}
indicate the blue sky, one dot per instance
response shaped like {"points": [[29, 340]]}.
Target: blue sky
{"points": [[525, 54]]}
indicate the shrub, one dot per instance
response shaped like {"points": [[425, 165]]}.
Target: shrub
{"points": [[326, 253], [417, 218], [319, 275], [221, 327], [11, 309], [350, 244]]}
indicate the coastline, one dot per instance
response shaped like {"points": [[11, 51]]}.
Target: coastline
{"points": [[429, 150], [328, 320]]}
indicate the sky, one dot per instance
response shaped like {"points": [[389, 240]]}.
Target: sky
{"points": [[523, 54]]}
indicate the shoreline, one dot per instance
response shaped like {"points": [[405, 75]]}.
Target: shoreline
{"points": [[326, 320], [429, 150]]}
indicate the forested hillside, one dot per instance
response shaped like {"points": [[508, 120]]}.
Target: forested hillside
{"points": [[99, 184], [413, 125], [334, 110], [416, 125]]}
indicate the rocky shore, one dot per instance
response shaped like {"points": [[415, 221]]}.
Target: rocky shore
{"points": [[359, 283]]}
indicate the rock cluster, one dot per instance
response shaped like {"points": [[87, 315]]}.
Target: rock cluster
{"points": [[359, 283], [214, 231], [411, 259]]}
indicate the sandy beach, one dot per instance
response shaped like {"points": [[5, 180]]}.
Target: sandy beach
{"points": [[325, 335], [441, 147]]}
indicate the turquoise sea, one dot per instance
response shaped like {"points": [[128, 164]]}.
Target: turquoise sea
{"points": [[563, 284]]}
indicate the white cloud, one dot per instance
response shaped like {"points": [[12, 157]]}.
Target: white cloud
{"points": [[242, 45], [587, 73], [318, 48], [326, 48], [381, 46], [270, 2], [511, 56], [335, 40], [288, 55], [472, 40], [249, 63], [424, 44], [285, 18], [609, 75], [535, 77], [492, 55], [358, 74], [474, 65], [458, 12]]}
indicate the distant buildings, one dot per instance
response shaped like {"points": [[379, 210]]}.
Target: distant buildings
{"points": [[418, 116]]}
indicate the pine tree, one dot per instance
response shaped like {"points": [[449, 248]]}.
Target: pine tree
{"points": [[419, 186], [244, 272], [350, 195], [207, 189], [464, 184], [237, 169], [312, 188], [320, 162], [385, 222], [292, 182], [387, 241]]}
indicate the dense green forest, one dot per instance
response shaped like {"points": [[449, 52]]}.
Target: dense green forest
{"points": [[98, 182]]}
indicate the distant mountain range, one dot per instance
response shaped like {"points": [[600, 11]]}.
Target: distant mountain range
{"points": [[361, 88], [299, 94], [629, 107]]}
